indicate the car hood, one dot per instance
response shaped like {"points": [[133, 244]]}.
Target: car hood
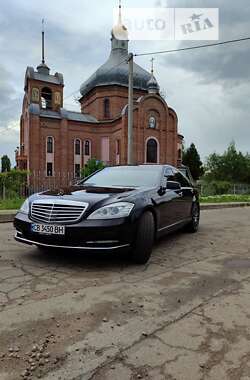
{"points": [[90, 195]]}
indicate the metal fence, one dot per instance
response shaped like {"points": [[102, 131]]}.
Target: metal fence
{"points": [[210, 189], [38, 182], [35, 183]]}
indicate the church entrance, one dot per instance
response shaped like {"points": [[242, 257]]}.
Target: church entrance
{"points": [[152, 151]]}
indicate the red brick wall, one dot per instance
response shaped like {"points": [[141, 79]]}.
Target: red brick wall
{"points": [[93, 103], [65, 131]]}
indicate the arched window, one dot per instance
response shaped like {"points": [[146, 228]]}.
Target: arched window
{"points": [[50, 144], [118, 151], [77, 147], [87, 148], [179, 154], [152, 151], [106, 108], [46, 98], [50, 156]]}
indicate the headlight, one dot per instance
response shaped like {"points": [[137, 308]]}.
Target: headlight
{"points": [[25, 207], [113, 211]]}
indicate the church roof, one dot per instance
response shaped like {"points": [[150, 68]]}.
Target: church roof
{"points": [[115, 72], [61, 114], [54, 79]]}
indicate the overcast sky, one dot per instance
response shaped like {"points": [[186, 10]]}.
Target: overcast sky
{"points": [[208, 88]]}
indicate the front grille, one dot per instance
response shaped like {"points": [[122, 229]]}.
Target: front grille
{"points": [[57, 211]]}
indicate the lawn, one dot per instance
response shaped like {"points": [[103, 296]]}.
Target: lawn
{"points": [[11, 204], [225, 198]]}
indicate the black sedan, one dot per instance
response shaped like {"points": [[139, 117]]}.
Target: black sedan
{"points": [[117, 208]]}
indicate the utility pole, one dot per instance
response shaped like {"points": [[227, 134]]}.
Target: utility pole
{"points": [[130, 108]]}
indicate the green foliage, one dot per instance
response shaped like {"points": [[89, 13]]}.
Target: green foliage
{"points": [[13, 183], [5, 164], [191, 158], [92, 166], [215, 187], [11, 204], [231, 166]]}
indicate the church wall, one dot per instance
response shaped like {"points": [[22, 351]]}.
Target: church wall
{"points": [[118, 96]]}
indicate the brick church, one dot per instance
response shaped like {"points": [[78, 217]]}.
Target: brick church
{"points": [[54, 140]]}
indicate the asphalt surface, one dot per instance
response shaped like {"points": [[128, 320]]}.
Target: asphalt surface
{"points": [[183, 316]]}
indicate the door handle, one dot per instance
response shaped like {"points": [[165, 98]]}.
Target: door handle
{"points": [[180, 194]]}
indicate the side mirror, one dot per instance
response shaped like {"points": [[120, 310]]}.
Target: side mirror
{"points": [[172, 185]]}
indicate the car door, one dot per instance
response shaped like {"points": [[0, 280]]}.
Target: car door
{"points": [[167, 203], [185, 195]]}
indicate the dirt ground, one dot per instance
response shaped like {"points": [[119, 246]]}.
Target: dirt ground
{"points": [[183, 316]]}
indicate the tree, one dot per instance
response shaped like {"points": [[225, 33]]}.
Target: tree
{"points": [[5, 163], [92, 166], [191, 158], [231, 166]]}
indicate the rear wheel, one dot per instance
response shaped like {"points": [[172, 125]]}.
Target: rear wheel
{"points": [[145, 239], [193, 226]]}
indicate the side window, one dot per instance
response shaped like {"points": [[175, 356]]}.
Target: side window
{"points": [[178, 177]]}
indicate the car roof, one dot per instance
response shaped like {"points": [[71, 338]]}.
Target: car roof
{"points": [[144, 166]]}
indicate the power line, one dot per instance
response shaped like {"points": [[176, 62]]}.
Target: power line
{"points": [[104, 72], [194, 47], [171, 51]]}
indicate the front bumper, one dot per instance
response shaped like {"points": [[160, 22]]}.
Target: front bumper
{"points": [[86, 235]]}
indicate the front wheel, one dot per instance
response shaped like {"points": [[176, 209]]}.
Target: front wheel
{"points": [[193, 226], [145, 239]]}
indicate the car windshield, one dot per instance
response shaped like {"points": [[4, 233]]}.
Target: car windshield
{"points": [[125, 176]]}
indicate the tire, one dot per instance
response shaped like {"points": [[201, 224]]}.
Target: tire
{"points": [[193, 226], [145, 239]]}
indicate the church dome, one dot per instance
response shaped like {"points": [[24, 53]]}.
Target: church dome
{"points": [[115, 69], [153, 86], [113, 72], [120, 32]]}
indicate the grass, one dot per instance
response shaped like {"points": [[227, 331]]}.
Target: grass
{"points": [[11, 204], [225, 198]]}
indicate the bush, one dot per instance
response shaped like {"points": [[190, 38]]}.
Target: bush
{"points": [[92, 166], [215, 187], [13, 184]]}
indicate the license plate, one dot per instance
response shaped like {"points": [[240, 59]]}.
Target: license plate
{"points": [[48, 229]]}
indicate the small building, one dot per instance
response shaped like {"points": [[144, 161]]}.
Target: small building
{"points": [[54, 140]]}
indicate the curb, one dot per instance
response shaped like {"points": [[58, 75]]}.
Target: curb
{"points": [[7, 216], [216, 206]]}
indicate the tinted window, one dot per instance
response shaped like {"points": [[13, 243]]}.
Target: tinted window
{"points": [[126, 176], [178, 177]]}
